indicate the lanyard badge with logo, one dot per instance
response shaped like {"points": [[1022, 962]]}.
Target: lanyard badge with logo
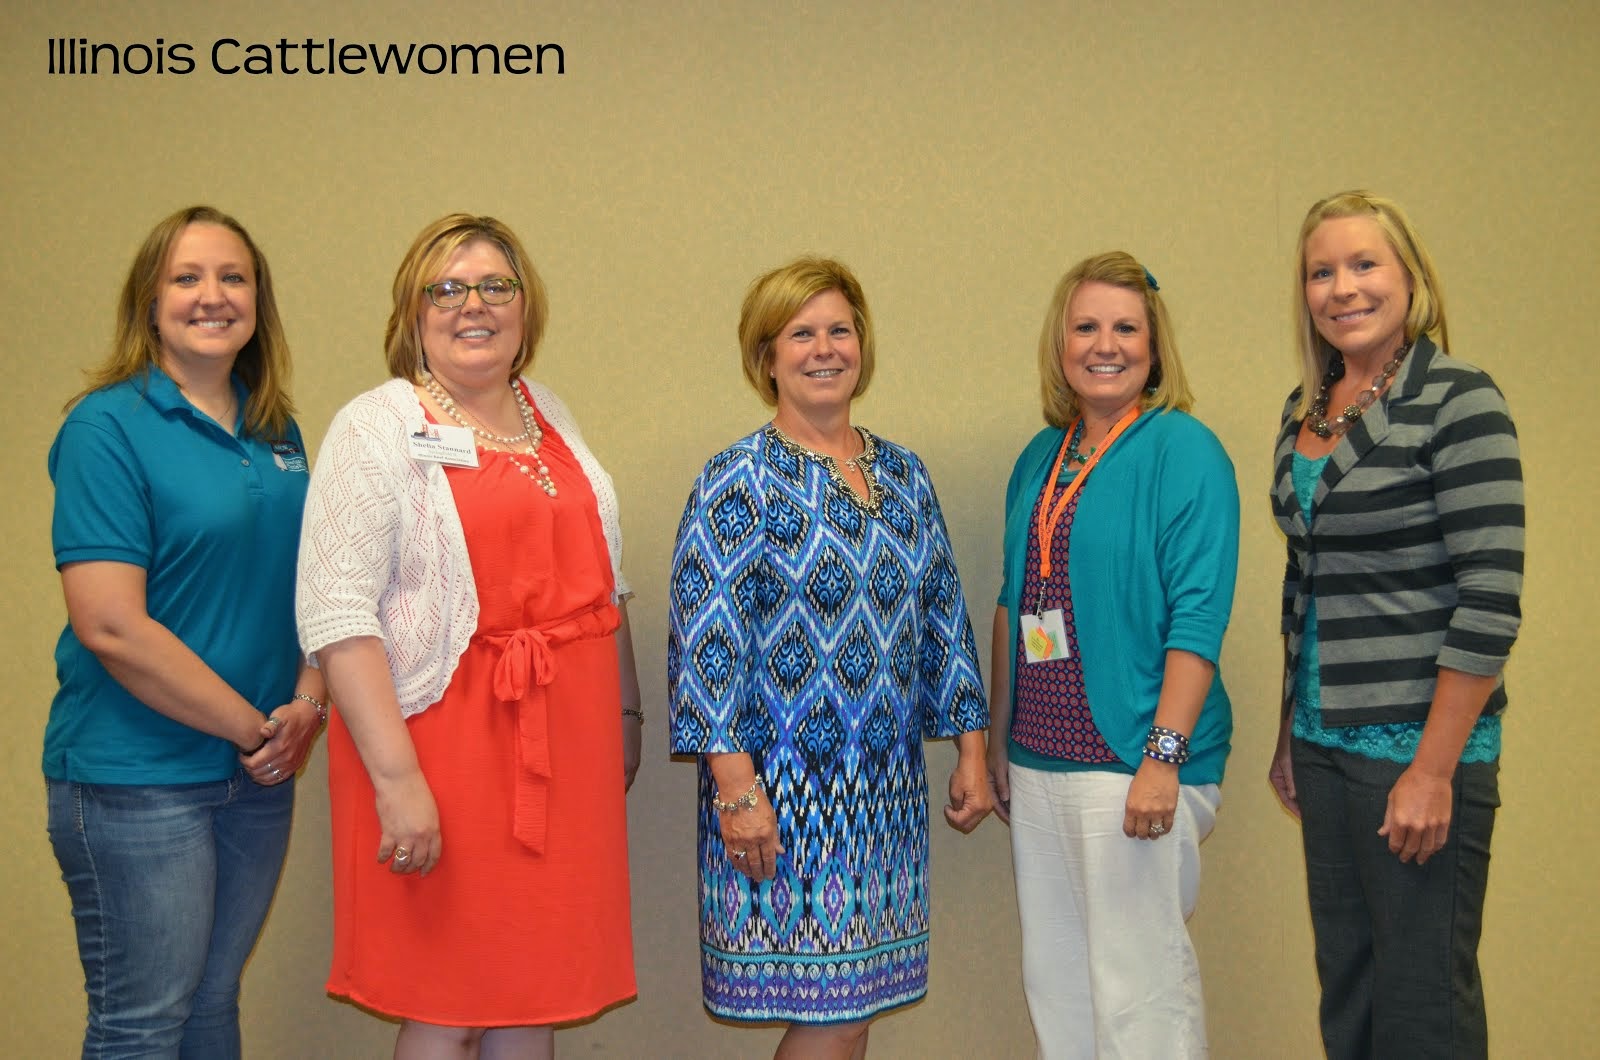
{"points": [[1044, 633]]}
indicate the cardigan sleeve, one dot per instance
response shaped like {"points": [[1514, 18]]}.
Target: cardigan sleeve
{"points": [[1477, 488], [347, 540], [1198, 543]]}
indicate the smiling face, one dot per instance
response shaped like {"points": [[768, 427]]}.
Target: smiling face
{"points": [[1106, 352], [816, 356], [1357, 289], [205, 308], [473, 345]]}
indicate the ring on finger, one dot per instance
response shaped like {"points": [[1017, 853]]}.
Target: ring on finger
{"points": [[1157, 828], [740, 855]]}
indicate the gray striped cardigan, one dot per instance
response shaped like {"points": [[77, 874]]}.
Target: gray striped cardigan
{"points": [[1414, 554]]}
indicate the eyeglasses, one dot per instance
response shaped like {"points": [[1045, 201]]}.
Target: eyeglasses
{"points": [[452, 294]]}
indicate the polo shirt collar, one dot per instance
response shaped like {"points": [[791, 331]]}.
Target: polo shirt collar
{"points": [[161, 390]]}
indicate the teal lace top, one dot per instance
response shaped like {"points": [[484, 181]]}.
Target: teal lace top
{"points": [[1395, 742]]}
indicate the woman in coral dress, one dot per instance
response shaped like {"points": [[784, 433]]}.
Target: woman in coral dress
{"points": [[459, 585]]}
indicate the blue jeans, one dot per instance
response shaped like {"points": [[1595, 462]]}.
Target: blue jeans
{"points": [[170, 885], [1397, 944]]}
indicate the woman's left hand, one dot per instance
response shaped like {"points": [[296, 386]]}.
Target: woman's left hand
{"points": [[289, 733], [1152, 801], [1417, 820], [971, 796]]}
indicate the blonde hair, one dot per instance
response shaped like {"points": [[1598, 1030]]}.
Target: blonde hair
{"points": [[1168, 387], [262, 363], [773, 300], [1425, 316], [434, 245]]}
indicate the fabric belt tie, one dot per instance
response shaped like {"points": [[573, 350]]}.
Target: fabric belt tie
{"points": [[527, 664]]}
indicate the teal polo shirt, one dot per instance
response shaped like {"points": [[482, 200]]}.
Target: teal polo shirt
{"points": [[143, 477]]}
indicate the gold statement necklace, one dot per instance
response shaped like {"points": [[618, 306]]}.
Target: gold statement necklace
{"points": [[862, 462]]}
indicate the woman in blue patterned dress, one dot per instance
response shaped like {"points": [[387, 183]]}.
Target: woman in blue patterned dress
{"points": [[818, 634]]}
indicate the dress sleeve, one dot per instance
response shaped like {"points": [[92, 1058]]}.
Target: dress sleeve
{"points": [[719, 574], [1198, 543], [347, 540], [1477, 487], [605, 491], [102, 504], [952, 699]]}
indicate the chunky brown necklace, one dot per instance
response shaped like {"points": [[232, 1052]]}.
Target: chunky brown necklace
{"points": [[532, 434], [1317, 414]]}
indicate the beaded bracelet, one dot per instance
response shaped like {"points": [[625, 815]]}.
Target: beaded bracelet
{"points": [[322, 708], [1166, 745], [747, 801], [633, 712]]}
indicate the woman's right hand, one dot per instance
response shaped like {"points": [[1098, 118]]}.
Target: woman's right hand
{"points": [[1281, 773], [1000, 779], [409, 820], [750, 835]]}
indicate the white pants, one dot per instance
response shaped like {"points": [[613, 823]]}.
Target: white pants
{"points": [[1107, 964]]}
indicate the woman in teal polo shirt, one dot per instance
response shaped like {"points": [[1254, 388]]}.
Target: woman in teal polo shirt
{"points": [[1111, 723], [185, 707]]}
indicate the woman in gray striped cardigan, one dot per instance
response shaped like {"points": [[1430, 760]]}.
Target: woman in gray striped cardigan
{"points": [[1404, 516]]}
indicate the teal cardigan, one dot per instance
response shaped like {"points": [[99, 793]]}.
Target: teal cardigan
{"points": [[1154, 552]]}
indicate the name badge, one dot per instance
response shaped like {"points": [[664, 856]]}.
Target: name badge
{"points": [[440, 444], [1044, 637]]}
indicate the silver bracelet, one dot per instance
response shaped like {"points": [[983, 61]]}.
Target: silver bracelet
{"points": [[322, 708], [633, 712], [747, 801]]}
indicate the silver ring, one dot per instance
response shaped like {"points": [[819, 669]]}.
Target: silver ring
{"points": [[274, 768], [401, 855], [740, 855], [1157, 828]]}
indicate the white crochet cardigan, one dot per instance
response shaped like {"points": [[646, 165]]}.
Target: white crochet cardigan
{"points": [[382, 552]]}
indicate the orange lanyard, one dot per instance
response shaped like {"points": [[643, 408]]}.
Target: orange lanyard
{"points": [[1050, 509]]}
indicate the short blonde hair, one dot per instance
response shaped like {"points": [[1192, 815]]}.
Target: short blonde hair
{"points": [[262, 363], [773, 300], [434, 245], [1425, 316], [1168, 387]]}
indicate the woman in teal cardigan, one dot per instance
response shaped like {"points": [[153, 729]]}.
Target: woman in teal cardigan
{"points": [[1121, 546]]}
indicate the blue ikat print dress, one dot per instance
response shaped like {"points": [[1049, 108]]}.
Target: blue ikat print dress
{"points": [[826, 640]]}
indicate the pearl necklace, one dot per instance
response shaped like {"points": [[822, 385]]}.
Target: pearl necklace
{"points": [[532, 434], [1317, 414]]}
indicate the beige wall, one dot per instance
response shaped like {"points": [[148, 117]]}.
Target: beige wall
{"points": [[959, 156]]}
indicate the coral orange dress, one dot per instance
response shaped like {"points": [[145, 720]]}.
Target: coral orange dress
{"points": [[525, 920]]}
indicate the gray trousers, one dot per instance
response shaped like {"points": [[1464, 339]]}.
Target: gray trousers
{"points": [[1397, 944]]}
